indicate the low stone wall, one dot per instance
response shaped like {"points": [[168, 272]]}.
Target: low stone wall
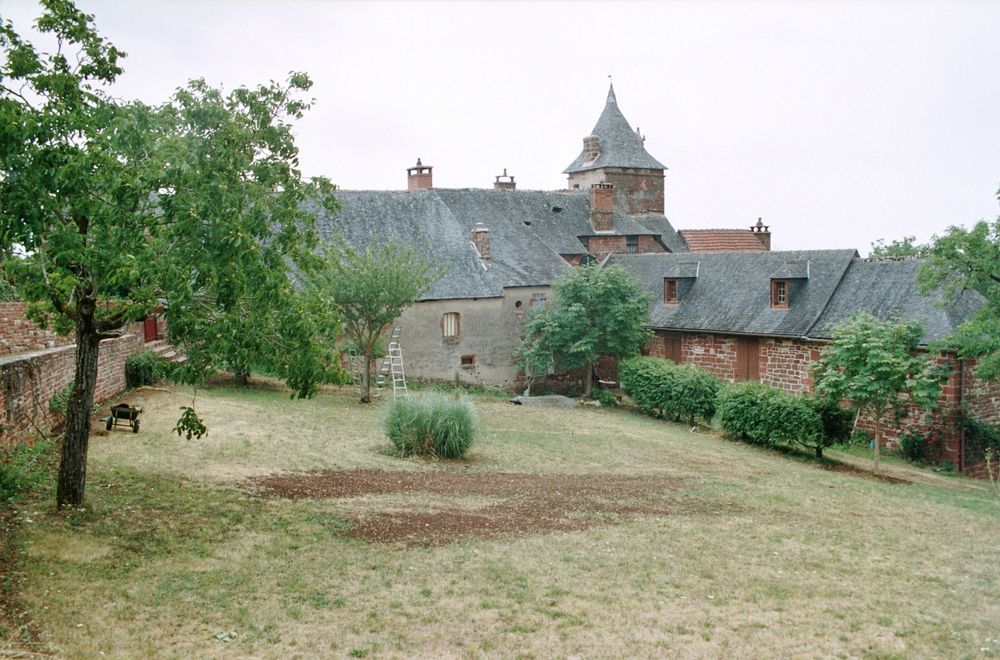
{"points": [[30, 379], [19, 335]]}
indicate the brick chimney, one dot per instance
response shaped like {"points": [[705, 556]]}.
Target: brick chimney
{"points": [[481, 239], [761, 231], [418, 177], [506, 184], [602, 207]]}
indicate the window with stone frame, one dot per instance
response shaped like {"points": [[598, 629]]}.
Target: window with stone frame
{"points": [[451, 325], [671, 291], [779, 294]]}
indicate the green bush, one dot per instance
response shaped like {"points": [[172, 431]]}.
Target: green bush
{"points": [[764, 415], [979, 437], [605, 397], [143, 368], [670, 390], [432, 424], [22, 469], [743, 411]]}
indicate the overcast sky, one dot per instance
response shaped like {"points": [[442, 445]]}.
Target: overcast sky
{"points": [[837, 122]]}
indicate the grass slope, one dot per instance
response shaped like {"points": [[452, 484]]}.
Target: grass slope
{"points": [[765, 555]]}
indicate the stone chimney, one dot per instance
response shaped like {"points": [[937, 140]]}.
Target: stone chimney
{"points": [[481, 239], [591, 148], [762, 232], [602, 207], [504, 181], [418, 177]]}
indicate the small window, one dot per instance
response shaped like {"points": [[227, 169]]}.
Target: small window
{"points": [[631, 244], [468, 361], [779, 294], [671, 294], [537, 299], [451, 325]]}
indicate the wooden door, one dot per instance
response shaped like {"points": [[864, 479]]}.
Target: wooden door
{"points": [[149, 329], [747, 359]]}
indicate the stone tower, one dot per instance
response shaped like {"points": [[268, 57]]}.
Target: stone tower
{"points": [[614, 154]]}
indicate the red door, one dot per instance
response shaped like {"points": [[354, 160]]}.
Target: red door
{"points": [[149, 328]]}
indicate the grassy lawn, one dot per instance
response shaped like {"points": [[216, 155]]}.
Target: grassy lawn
{"points": [[750, 553]]}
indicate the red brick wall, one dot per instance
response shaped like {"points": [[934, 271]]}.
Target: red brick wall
{"points": [[18, 334], [981, 398], [29, 380], [784, 363], [602, 246], [649, 244]]}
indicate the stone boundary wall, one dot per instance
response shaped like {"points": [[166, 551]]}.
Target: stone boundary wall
{"points": [[19, 335], [30, 379]]}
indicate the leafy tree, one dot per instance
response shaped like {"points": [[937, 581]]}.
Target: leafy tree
{"points": [[369, 289], [596, 311], [534, 355], [118, 206], [906, 247], [969, 259], [877, 367]]}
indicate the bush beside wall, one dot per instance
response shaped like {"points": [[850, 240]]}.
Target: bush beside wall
{"points": [[670, 390]]}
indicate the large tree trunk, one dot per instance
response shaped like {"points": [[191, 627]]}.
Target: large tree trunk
{"points": [[73, 463]]}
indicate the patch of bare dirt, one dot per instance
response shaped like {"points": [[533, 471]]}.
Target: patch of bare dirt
{"points": [[866, 474], [525, 503]]}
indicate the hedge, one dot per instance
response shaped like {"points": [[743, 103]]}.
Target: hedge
{"points": [[671, 390]]}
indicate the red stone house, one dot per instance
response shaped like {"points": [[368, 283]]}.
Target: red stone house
{"points": [[764, 316]]}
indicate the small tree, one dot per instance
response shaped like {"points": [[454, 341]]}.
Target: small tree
{"points": [[596, 311], [877, 367], [533, 354], [370, 288]]}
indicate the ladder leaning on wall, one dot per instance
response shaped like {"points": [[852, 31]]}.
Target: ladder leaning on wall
{"points": [[395, 362]]}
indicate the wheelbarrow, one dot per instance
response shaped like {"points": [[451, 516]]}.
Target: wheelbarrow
{"points": [[123, 413]]}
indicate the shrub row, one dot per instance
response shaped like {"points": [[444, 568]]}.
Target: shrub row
{"points": [[670, 390], [432, 424], [764, 415]]}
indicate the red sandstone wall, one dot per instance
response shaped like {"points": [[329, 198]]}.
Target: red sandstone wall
{"points": [[18, 334], [784, 363]]}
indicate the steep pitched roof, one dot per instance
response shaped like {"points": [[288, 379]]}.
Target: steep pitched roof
{"points": [[529, 230], [618, 146], [720, 240], [731, 292], [888, 289]]}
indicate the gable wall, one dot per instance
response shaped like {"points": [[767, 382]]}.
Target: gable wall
{"points": [[490, 330]]}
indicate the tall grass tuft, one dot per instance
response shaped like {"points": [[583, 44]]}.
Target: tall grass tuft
{"points": [[432, 424]]}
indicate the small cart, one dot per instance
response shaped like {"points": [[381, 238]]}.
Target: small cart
{"points": [[125, 414]]}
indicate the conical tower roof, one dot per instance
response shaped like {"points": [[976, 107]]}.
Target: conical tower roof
{"points": [[618, 144]]}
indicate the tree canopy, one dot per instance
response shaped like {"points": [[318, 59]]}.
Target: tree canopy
{"points": [[120, 206], [877, 367], [969, 259], [369, 289], [596, 311]]}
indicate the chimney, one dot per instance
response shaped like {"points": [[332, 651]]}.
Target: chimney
{"points": [[481, 239], [506, 184], [602, 207], [761, 231], [418, 177], [591, 148]]}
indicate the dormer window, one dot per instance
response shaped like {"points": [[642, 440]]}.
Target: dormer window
{"points": [[631, 244], [671, 292], [779, 294]]}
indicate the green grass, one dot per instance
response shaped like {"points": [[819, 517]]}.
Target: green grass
{"points": [[766, 555]]}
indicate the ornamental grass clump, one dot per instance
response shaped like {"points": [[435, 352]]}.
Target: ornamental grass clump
{"points": [[433, 424]]}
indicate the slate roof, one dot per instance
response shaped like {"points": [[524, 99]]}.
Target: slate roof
{"points": [[729, 292], [619, 145], [529, 230], [720, 240], [732, 292], [887, 289]]}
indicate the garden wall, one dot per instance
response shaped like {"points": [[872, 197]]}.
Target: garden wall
{"points": [[30, 378]]}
